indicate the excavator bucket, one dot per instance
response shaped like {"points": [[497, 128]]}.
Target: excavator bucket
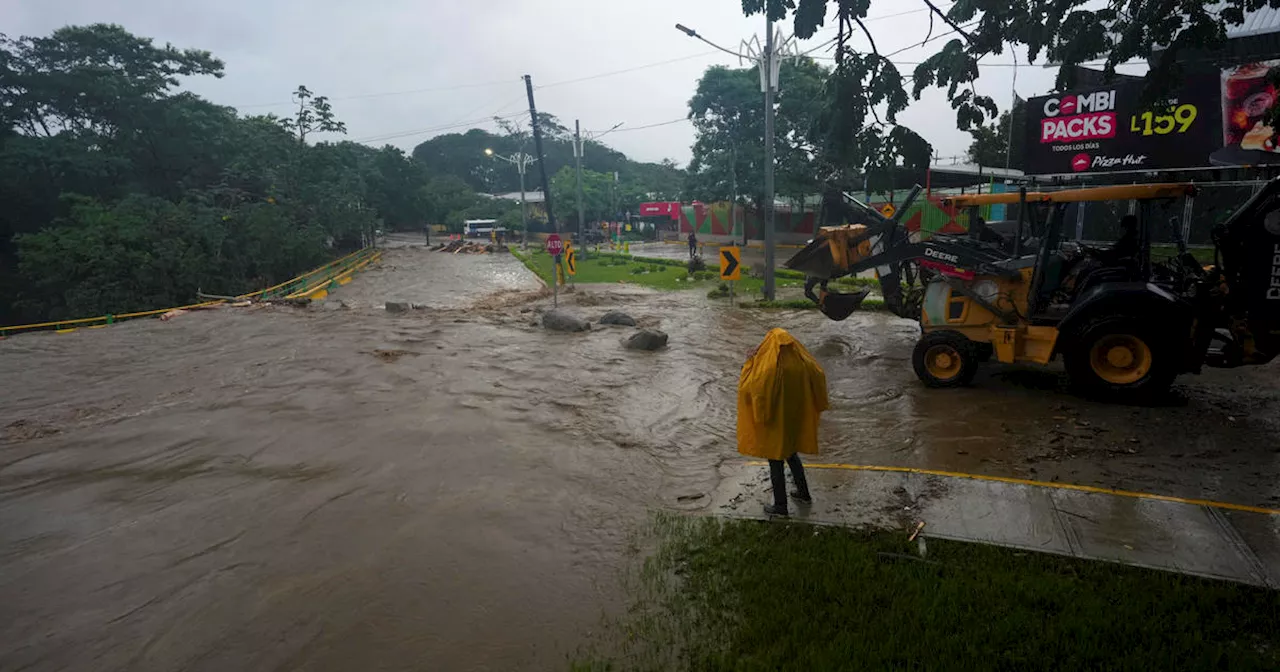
{"points": [[838, 306], [830, 254], [814, 260]]}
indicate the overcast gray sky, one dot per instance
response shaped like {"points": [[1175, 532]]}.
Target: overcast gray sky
{"points": [[447, 63]]}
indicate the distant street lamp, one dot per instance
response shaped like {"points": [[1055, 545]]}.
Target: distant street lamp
{"points": [[578, 143], [521, 161], [768, 58]]}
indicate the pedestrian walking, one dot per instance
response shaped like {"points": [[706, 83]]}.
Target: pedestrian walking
{"points": [[782, 392], [693, 244]]}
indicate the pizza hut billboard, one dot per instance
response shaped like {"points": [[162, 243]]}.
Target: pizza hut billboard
{"points": [[1108, 129], [1214, 120]]}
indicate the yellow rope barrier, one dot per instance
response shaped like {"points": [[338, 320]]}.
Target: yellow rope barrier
{"points": [[67, 326]]}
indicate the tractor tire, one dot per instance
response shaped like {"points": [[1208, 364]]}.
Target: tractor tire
{"points": [[945, 359], [1120, 358]]}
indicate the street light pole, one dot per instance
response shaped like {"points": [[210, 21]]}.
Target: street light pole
{"points": [[577, 160], [767, 60], [521, 161], [767, 64]]}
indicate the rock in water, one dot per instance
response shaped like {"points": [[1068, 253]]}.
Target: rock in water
{"points": [[647, 340], [558, 320], [619, 318], [397, 306]]}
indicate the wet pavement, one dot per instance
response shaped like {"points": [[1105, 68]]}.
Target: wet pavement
{"points": [[1203, 539], [454, 487]]}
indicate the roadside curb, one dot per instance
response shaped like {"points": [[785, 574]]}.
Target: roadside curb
{"points": [[1217, 540]]}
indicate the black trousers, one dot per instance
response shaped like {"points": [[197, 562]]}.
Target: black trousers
{"points": [[779, 478]]}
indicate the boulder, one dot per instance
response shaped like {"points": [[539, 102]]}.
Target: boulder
{"points": [[619, 318], [558, 320], [398, 306], [646, 339]]}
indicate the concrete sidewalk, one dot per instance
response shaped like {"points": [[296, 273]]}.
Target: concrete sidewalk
{"points": [[1199, 538]]}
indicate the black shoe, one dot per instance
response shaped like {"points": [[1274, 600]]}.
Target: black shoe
{"points": [[803, 499], [775, 510]]}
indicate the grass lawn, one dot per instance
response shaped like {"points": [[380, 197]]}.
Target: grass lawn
{"points": [[747, 595], [1202, 254], [665, 274]]}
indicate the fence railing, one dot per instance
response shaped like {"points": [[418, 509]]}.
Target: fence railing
{"points": [[314, 284]]}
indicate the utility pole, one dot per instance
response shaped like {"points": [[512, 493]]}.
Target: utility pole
{"points": [[524, 207], [767, 80], [767, 60], [733, 202], [542, 159], [577, 160], [521, 161]]}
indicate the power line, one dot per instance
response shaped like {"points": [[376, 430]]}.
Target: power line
{"points": [[622, 72], [661, 123], [387, 93], [422, 131]]}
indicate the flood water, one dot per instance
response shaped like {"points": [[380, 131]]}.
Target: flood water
{"points": [[340, 488]]}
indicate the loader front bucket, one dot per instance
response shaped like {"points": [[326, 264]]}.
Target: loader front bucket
{"points": [[838, 306], [814, 260]]}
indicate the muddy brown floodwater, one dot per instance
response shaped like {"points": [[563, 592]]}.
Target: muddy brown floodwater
{"points": [[339, 488]]}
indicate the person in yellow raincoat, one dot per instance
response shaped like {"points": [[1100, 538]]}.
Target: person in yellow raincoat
{"points": [[782, 392]]}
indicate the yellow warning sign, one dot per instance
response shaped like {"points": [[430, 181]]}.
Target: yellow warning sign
{"points": [[888, 210], [730, 263], [571, 260]]}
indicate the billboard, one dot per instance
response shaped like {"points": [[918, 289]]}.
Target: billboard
{"points": [[1214, 120]]}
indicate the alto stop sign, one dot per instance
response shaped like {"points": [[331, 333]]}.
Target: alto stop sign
{"points": [[554, 245]]}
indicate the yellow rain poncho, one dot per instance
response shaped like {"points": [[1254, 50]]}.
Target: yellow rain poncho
{"points": [[781, 394]]}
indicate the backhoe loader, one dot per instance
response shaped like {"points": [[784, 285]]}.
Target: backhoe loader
{"points": [[1124, 324]]}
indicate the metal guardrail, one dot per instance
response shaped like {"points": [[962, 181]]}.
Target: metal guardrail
{"points": [[314, 284]]}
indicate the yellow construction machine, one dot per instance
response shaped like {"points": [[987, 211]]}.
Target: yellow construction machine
{"points": [[1125, 324]]}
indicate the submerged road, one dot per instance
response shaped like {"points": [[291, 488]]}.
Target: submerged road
{"points": [[339, 488]]}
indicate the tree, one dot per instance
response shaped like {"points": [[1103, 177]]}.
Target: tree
{"points": [[728, 151], [462, 155], [597, 195], [994, 147], [88, 79], [447, 195], [123, 194], [315, 115], [858, 125]]}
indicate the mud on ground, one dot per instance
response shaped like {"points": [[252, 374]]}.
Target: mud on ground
{"points": [[454, 487]]}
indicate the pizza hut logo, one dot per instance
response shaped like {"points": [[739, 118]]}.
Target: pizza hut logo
{"points": [[1081, 162], [1076, 117]]}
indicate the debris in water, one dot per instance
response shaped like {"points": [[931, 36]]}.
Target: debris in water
{"points": [[559, 320], [647, 340], [618, 318], [391, 355]]}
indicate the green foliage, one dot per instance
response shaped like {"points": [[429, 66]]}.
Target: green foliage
{"points": [[992, 144], [121, 194], [856, 129], [722, 594], [727, 114], [720, 292], [462, 156], [696, 264], [315, 115]]}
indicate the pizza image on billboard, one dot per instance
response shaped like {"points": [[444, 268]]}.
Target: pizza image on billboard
{"points": [[1247, 94]]}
